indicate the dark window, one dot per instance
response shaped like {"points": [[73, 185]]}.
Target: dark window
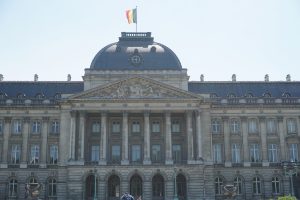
{"points": [[114, 187], [158, 187], [136, 186]]}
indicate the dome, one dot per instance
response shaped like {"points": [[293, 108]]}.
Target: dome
{"points": [[135, 51]]}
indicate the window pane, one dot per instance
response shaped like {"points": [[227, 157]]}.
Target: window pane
{"points": [[176, 153], [156, 153], [217, 154], [96, 127], [116, 128], [53, 154], [175, 126], [155, 127], [136, 153], [95, 153], [116, 153], [34, 154]]}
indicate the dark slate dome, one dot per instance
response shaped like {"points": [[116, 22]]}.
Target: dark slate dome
{"points": [[136, 51]]}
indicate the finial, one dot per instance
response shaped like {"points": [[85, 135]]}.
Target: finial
{"points": [[1, 77], [69, 77], [202, 78], [233, 78], [36, 78], [267, 78], [288, 78]]}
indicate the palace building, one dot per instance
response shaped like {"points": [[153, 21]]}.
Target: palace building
{"points": [[137, 124]]}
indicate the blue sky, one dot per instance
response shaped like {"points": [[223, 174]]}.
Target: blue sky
{"points": [[216, 38]]}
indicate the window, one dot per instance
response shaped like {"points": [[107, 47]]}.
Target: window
{"points": [[275, 185], [15, 153], [252, 126], [236, 153], [271, 126], [158, 188], [136, 128], [53, 154], [113, 187], [55, 127], [256, 186], [17, 126], [175, 127], [36, 127], [176, 153], [52, 187], [238, 183], [1, 126], [293, 149], [217, 156], [235, 126], [218, 186], [273, 153], [95, 150], [96, 127], [155, 127], [216, 126], [34, 154], [116, 127], [291, 126], [136, 153], [116, 153], [13, 188], [254, 153], [33, 181], [155, 153]]}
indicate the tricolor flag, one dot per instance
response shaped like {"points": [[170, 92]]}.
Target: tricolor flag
{"points": [[131, 16]]}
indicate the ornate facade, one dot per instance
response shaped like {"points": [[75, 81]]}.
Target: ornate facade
{"points": [[137, 124]]}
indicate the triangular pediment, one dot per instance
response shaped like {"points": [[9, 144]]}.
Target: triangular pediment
{"points": [[135, 88]]}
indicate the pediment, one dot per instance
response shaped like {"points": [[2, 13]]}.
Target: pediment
{"points": [[135, 88]]}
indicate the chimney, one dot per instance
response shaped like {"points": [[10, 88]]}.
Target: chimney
{"points": [[202, 78], [233, 78], [69, 77], [288, 78], [267, 78], [1, 77], [36, 78]]}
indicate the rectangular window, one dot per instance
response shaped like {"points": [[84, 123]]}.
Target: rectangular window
{"points": [[53, 154], [291, 126], [254, 153], [217, 154], [216, 126], [252, 126], [15, 153], [236, 153], [136, 153], [155, 153], [34, 154], [115, 153], [95, 153], [234, 126], [155, 127], [273, 153], [293, 149], [96, 127], [116, 127], [175, 127], [136, 128], [36, 127], [17, 126], [176, 151], [55, 127], [271, 126]]}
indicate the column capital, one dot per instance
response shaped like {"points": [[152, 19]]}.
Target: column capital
{"points": [[244, 118], [104, 113], [73, 113], [7, 119], [45, 119], [280, 118], [188, 112], [167, 113], [198, 112], [225, 118], [26, 119], [262, 118], [146, 113], [125, 113], [82, 113]]}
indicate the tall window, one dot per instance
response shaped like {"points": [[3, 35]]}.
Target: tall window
{"points": [[115, 153], [155, 153], [116, 127], [55, 127], [275, 185], [216, 126], [238, 183], [234, 126], [136, 128], [114, 187], [254, 153], [96, 127], [236, 153], [175, 127], [252, 126], [273, 153], [293, 149], [13, 188], [155, 127], [256, 185], [176, 153], [36, 127], [217, 148], [95, 150], [136, 153], [218, 186], [53, 154], [17, 126], [291, 126], [52, 187], [158, 189], [34, 154], [15, 153], [271, 126]]}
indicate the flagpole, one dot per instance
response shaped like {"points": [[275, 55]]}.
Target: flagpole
{"points": [[136, 20]]}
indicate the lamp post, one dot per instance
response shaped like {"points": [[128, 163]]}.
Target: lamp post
{"points": [[175, 184], [95, 184], [290, 169]]}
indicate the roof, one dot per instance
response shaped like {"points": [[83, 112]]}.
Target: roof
{"points": [[136, 51]]}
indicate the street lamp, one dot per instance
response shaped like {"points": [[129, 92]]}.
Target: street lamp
{"points": [[290, 169], [95, 184], [175, 184]]}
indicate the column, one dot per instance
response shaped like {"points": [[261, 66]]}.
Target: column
{"points": [[169, 160], [103, 140], [125, 160], [147, 160], [263, 134], [227, 142], [25, 130], [245, 142], [6, 131], [81, 136], [190, 140], [45, 128], [298, 125], [199, 136], [72, 136], [281, 139]]}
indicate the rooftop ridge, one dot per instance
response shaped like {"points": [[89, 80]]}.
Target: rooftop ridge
{"points": [[136, 36]]}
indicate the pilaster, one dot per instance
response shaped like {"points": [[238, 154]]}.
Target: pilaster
{"points": [[103, 140], [25, 135], [6, 131], [168, 138], [147, 160], [125, 160], [263, 134], [45, 128], [227, 142]]}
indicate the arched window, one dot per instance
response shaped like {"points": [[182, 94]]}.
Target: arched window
{"points": [[90, 185], [13, 188], [218, 186], [181, 186], [114, 187], [267, 95], [249, 95], [275, 185], [52, 187], [136, 186], [158, 187], [20, 96], [256, 185], [39, 96], [286, 95], [238, 183]]}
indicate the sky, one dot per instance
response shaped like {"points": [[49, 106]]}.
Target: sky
{"points": [[217, 38]]}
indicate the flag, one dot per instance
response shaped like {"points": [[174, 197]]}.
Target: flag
{"points": [[131, 16]]}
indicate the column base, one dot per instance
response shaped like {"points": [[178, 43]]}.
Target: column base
{"points": [[43, 165], [3, 165], [147, 162], [169, 162], [199, 162], [191, 162], [75, 162], [23, 165], [228, 164], [124, 162], [102, 162], [265, 164], [247, 164]]}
